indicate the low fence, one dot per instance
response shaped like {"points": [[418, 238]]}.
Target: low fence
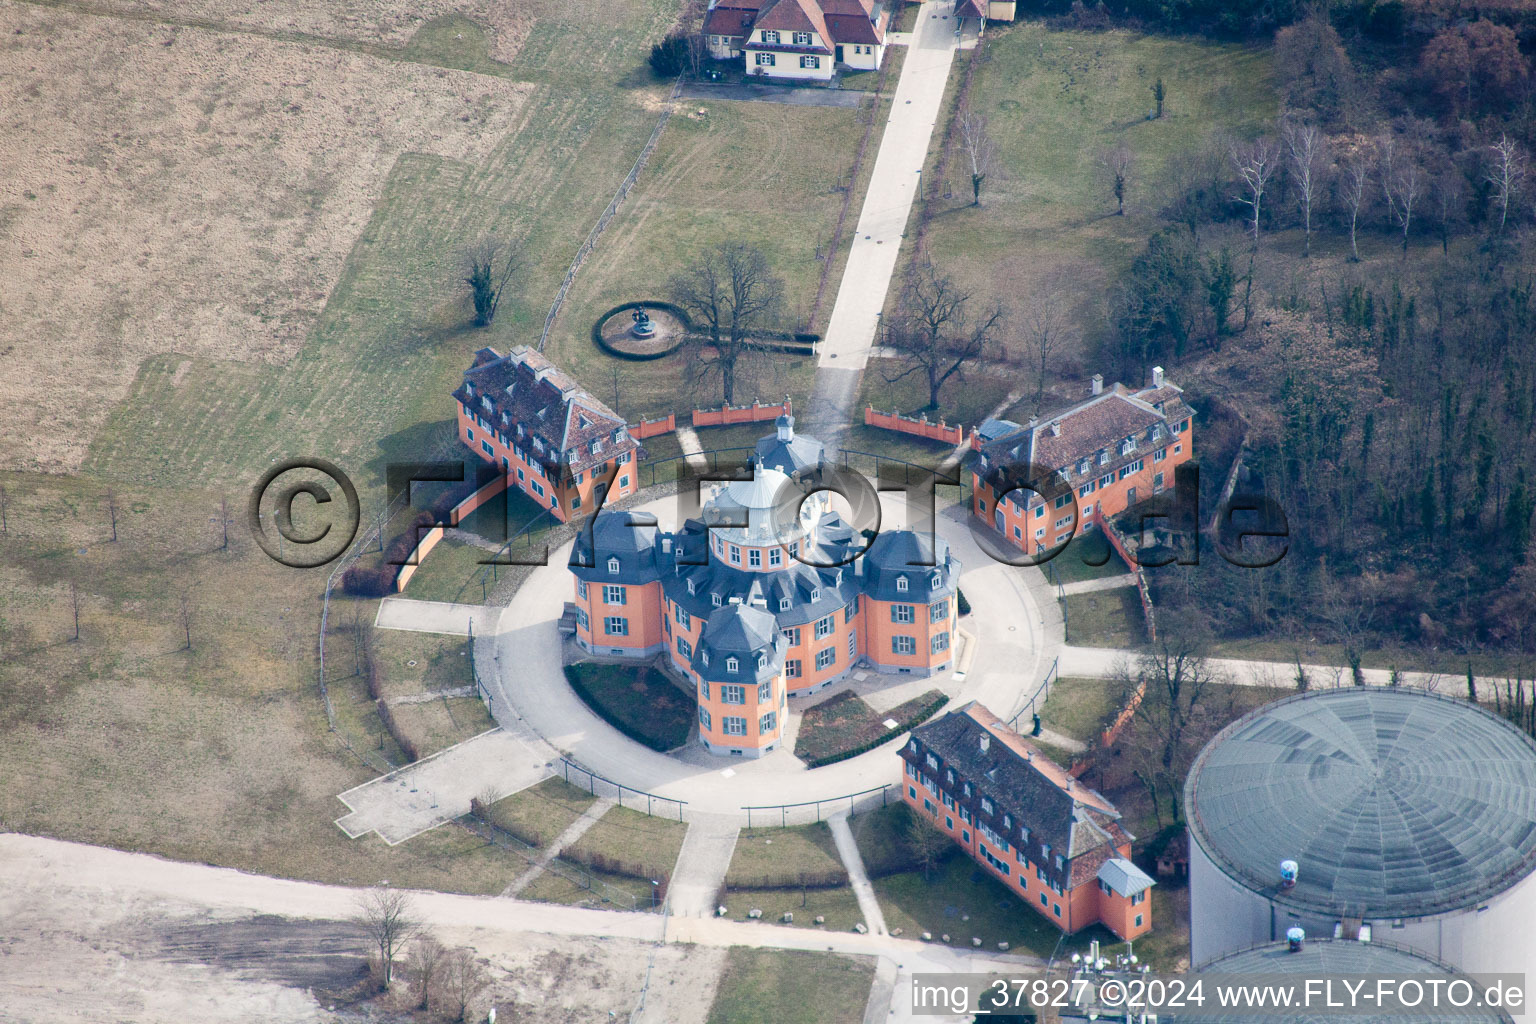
{"points": [[1142, 590], [835, 803], [918, 426], [597, 785], [1032, 704], [653, 428], [430, 538], [576, 874], [731, 415]]}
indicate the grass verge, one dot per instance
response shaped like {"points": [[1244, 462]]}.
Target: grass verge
{"points": [[843, 726], [539, 814], [962, 900], [762, 986], [1080, 707], [1105, 618], [770, 858]]}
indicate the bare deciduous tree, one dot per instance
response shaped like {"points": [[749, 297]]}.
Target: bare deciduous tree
{"points": [[927, 844], [74, 606], [1045, 326], [1506, 176], [1406, 189], [463, 980], [5, 503], [979, 149], [1159, 93], [112, 511], [731, 292], [1117, 162], [1354, 176], [488, 265], [224, 521], [935, 333], [427, 959], [1386, 160], [388, 919], [1255, 165], [184, 615], [1304, 150]]}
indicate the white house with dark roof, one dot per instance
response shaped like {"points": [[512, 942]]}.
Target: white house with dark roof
{"points": [[806, 40]]}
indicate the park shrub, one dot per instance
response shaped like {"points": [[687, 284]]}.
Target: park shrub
{"points": [[961, 603], [368, 581], [407, 745]]}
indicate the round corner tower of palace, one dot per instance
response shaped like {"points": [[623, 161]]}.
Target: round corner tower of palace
{"points": [[765, 595]]}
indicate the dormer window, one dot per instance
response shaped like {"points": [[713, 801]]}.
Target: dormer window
{"points": [[714, 599], [802, 38], [1064, 474], [618, 435], [1103, 456], [784, 604], [935, 582], [485, 402], [770, 36], [613, 566], [1082, 467], [596, 445], [704, 657], [901, 584], [1127, 446], [731, 664], [469, 389], [762, 660], [815, 594]]}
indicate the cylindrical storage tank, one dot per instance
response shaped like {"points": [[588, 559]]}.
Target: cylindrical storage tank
{"points": [[1411, 813], [1321, 959]]}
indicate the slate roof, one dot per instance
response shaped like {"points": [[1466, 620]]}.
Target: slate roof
{"points": [[741, 632], [791, 455], [524, 388], [898, 553], [1321, 958], [833, 21], [1101, 423], [1395, 803], [628, 536], [1032, 790]]}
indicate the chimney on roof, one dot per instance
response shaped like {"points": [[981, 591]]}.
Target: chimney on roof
{"points": [[1098, 383], [986, 741], [1157, 376], [1029, 755]]}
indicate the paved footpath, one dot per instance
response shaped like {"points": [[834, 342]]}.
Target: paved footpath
{"points": [[575, 831], [702, 864], [858, 878]]}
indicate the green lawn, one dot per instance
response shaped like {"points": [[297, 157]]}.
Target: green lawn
{"points": [[964, 901], [539, 814], [838, 906], [881, 836], [1105, 618], [1081, 708], [769, 857], [1072, 565], [762, 986], [1055, 100], [843, 725], [582, 886], [630, 842], [638, 700]]}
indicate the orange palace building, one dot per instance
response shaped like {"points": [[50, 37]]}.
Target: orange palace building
{"points": [[1058, 845], [754, 605], [1090, 462]]}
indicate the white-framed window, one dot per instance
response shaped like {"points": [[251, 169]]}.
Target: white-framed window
{"points": [[616, 625], [902, 613], [1106, 479], [825, 657], [733, 694], [732, 665], [1134, 467], [613, 594], [792, 668], [784, 604], [767, 723], [775, 557], [764, 692], [683, 618], [765, 60], [903, 645], [1160, 455], [802, 38], [935, 581], [940, 642], [684, 647], [901, 584], [754, 559], [582, 620], [810, 62], [770, 36], [735, 725], [581, 589], [714, 599], [704, 718], [823, 627], [735, 555], [852, 609], [938, 611], [613, 566], [792, 633]]}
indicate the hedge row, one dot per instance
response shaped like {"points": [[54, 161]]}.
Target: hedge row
{"points": [[617, 866], [791, 341], [829, 879], [863, 748], [407, 746]]}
